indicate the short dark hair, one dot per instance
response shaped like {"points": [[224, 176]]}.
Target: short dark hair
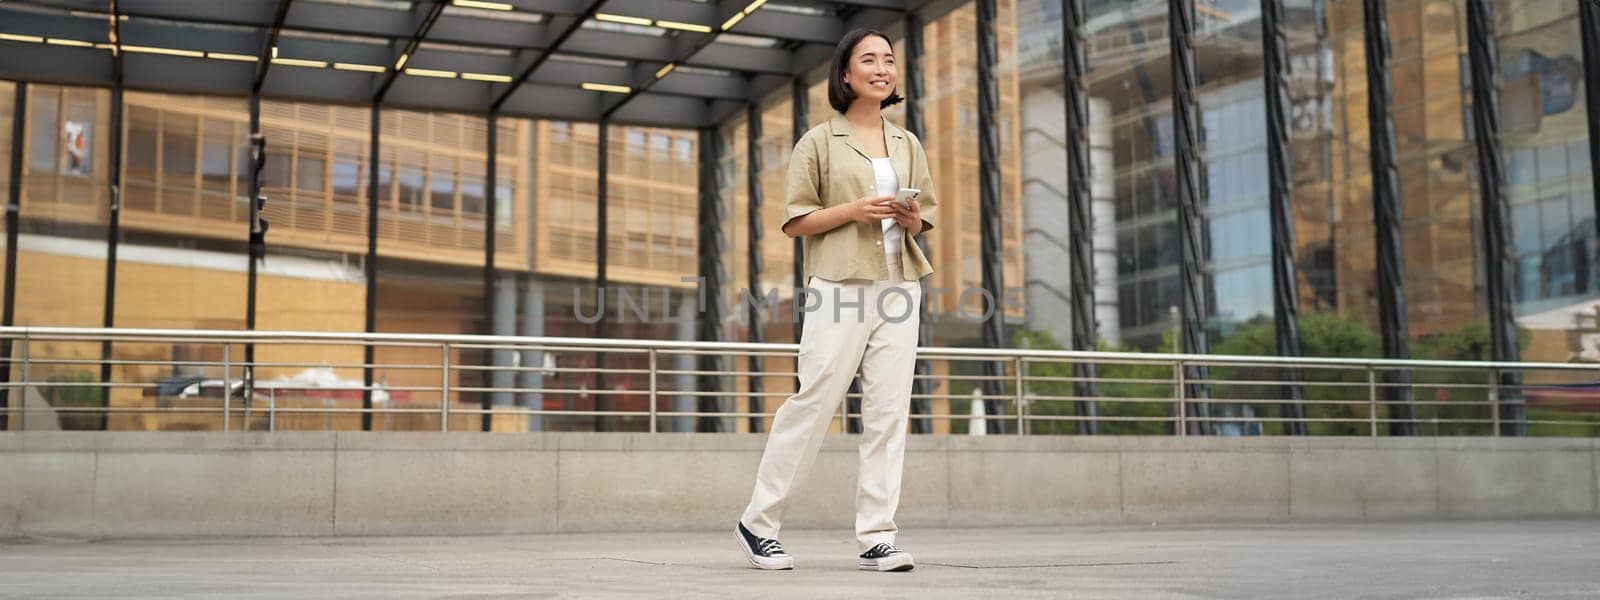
{"points": [[839, 94]]}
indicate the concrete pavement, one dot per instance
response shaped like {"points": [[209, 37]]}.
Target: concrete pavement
{"points": [[1448, 559]]}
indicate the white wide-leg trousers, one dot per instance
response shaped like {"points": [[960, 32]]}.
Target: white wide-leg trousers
{"points": [[870, 326]]}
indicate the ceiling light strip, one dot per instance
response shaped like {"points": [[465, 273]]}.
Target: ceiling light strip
{"points": [[228, 56], [483, 5], [300, 62], [695, 27], [490, 77], [166, 51], [67, 42], [606, 87], [610, 18], [358, 67], [14, 37], [431, 73]]}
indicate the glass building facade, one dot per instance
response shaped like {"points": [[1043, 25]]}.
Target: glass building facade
{"points": [[184, 210]]}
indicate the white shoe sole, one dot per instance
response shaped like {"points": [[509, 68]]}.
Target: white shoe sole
{"points": [[900, 562], [761, 562]]}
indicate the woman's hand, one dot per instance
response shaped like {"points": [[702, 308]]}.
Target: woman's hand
{"points": [[872, 209], [909, 217]]}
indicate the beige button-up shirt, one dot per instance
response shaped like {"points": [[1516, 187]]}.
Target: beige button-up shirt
{"points": [[829, 167]]}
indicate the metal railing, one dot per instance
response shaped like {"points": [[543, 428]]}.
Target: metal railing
{"points": [[192, 379]]}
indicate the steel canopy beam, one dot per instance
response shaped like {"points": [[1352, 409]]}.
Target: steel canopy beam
{"points": [[571, 26], [264, 58], [424, 21], [685, 45]]}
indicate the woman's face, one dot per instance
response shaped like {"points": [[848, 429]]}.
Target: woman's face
{"points": [[871, 73]]}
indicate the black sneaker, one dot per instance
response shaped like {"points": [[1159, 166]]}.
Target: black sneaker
{"points": [[764, 553], [886, 557]]}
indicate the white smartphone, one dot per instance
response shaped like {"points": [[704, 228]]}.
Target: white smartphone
{"points": [[904, 196]]}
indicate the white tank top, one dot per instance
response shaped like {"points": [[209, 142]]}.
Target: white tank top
{"points": [[888, 184]]}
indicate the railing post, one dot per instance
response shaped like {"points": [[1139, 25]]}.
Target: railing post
{"points": [[444, 387], [22, 397], [1182, 426], [1494, 399], [652, 390], [227, 387], [1372, 400], [272, 409], [1022, 424]]}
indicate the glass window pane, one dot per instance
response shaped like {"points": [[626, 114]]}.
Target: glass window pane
{"points": [[142, 148], [1552, 162], [1520, 170], [472, 196], [385, 181], [410, 181], [502, 206], [178, 132], [346, 178], [310, 174], [216, 152], [1557, 223], [443, 184], [1525, 223], [44, 124]]}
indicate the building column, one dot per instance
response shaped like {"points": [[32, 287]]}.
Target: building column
{"points": [[754, 333], [492, 316], [532, 326], [1499, 255], [1187, 168], [256, 249], [1393, 326], [602, 397], [991, 254], [1103, 191], [1589, 26], [1080, 219], [374, 155], [113, 240], [1280, 183], [683, 331], [922, 382], [504, 324], [800, 103], [709, 217], [19, 122]]}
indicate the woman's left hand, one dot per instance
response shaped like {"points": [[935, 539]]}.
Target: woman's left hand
{"points": [[909, 217]]}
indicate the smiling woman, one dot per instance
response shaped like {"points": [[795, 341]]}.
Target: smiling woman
{"points": [[857, 243]]}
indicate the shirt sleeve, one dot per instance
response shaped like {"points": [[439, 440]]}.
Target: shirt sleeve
{"points": [[803, 193], [927, 197]]}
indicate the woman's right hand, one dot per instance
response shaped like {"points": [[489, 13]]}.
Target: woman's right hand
{"points": [[872, 209]]}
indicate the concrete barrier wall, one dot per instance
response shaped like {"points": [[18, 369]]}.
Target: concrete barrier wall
{"points": [[89, 484]]}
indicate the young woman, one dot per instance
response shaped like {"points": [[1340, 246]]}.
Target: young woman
{"points": [[862, 266]]}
